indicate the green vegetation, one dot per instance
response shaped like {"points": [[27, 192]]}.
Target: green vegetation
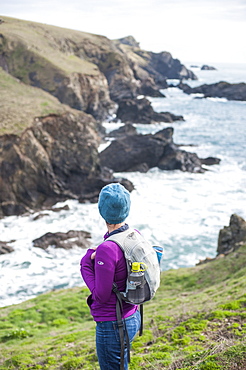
{"points": [[43, 56], [46, 44], [20, 103], [197, 321]]}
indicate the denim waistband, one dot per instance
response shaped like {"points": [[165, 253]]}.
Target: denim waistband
{"points": [[115, 321]]}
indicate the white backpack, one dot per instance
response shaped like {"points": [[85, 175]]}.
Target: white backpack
{"points": [[137, 249]]}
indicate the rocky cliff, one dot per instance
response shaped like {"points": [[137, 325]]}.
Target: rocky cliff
{"points": [[55, 159], [77, 79], [85, 71]]}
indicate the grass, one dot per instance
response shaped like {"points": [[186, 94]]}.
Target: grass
{"points": [[20, 103], [52, 44], [197, 321], [49, 58]]}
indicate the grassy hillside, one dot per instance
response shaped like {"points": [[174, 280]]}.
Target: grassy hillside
{"points": [[197, 321], [52, 44], [46, 57], [20, 103]]}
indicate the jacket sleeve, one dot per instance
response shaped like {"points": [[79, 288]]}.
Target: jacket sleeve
{"points": [[87, 269], [99, 274]]}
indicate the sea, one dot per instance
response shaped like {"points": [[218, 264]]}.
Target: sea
{"points": [[180, 211]]}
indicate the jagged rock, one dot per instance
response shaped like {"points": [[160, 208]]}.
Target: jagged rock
{"points": [[53, 209], [72, 238], [176, 159], [148, 88], [232, 236], [218, 90], [123, 131], [5, 248], [54, 160], [209, 161], [130, 40], [162, 66], [141, 111], [205, 67], [142, 152], [86, 93]]}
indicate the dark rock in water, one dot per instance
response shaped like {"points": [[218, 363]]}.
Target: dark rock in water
{"points": [[209, 161], [5, 248], [218, 90], [141, 111], [176, 159], [232, 236], [123, 131], [205, 67], [148, 88], [160, 65], [72, 238], [142, 152], [53, 209]]}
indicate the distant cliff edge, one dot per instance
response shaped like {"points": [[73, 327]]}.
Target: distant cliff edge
{"points": [[87, 72]]}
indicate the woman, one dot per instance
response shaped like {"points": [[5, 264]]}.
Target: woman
{"points": [[100, 268]]}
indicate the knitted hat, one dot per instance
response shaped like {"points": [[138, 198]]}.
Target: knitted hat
{"points": [[114, 203]]}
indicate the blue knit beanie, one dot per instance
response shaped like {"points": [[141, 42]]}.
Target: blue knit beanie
{"points": [[114, 203]]}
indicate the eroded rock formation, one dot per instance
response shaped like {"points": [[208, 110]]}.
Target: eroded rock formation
{"points": [[141, 111], [53, 160], [232, 236], [218, 90], [137, 152], [73, 238], [5, 248]]}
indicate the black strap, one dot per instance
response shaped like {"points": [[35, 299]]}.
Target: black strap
{"points": [[141, 325], [124, 337]]}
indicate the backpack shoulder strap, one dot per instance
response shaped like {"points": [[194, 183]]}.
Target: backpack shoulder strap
{"points": [[119, 238]]}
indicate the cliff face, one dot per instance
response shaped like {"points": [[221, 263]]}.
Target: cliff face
{"points": [[37, 59], [53, 160], [87, 72]]}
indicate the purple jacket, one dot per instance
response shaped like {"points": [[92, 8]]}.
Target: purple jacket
{"points": [[99, 274]]}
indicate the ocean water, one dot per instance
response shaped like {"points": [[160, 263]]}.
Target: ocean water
{"points": [[180, 211]]}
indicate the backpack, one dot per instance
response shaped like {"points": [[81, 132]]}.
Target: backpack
{"points": [[143, 277]]}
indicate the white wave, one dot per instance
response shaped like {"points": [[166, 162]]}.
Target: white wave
{"points": [[221, 100]]}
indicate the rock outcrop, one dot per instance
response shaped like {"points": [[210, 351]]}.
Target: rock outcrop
{"points": [[123, 131], [142, 152], [205, 67], [218, 90], [55, 159], [5, 248], [73, 238], [141, 111], [232, 236]]}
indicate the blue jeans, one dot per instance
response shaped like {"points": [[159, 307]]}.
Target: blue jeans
{"points": [[108, 341]]}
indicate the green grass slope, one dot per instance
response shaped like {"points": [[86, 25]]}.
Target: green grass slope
{"points": [[197, 321], [48, 44], [41, 55], [20, 103]]}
